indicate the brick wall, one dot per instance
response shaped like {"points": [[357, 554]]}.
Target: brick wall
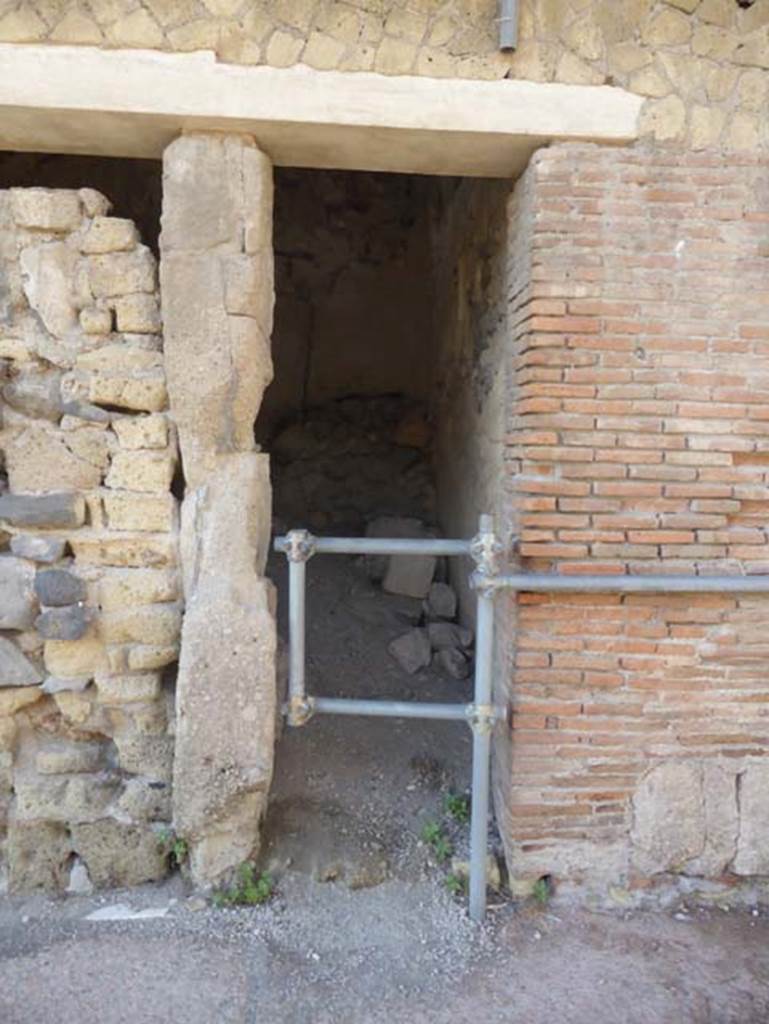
{"points": [[639, 443]]}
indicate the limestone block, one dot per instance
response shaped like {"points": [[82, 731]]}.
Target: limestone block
{"points": [[138, 314], [449, 634], [147, 656], [743, 131], [120, 359], [150, 624], [70, 798], [76, 28], [410, 575], [75, 707], [230, 515], [143, 471], [753, 50], [753, 90], [127, 510], [753, 802], [668, 818], [35, 392], [94, 203], [109, 234], [120, 855], [137, 30], [142, 431], [218, 366], [667, 28], [145, 392], [719, 792], [57, 587], [200, 34], [126, 551], [715, 43], [95, 320], [213, 186], [45, 510], [84, 657], [47, 270], [15, 668], [128, 587], [127, 689], [665, 119], [7, 734], [69, 758], [411, 650], [706, 125], [37, 548], [121, 273], [283, 49], [16, 698], [40, 454], [15, 348], [142, 753], [17, 598], [226, 682], [46, 209], [59, 684], [145, 800], [38, 856]]}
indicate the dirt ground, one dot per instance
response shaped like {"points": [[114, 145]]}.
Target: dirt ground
{"points": [[362, 929]]}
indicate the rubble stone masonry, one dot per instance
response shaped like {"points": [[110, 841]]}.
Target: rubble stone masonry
{"points": [[89, 591], [703, 65], [639, 442]]}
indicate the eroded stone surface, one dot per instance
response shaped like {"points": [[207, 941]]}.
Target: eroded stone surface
{"points": [[17, 598], [668, 818]]}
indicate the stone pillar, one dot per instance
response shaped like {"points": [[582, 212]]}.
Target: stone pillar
{"points": [[217, 296]]}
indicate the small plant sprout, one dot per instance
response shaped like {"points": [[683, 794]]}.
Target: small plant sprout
{"points": [[457, 806], [542, 890], [249, 889], [174, 846], [456, 885], [433, 836]]}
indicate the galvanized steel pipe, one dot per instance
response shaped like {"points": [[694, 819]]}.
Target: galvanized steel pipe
{"points": [[381, 546], [389, 708], [550, 583]]}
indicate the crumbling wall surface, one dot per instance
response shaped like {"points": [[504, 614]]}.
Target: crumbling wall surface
{"points": [[217, 290], [639, 444], [89, 595], [703, 65]]}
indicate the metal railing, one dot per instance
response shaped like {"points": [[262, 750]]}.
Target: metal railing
{"points": [[299, 546], [485, 549]]}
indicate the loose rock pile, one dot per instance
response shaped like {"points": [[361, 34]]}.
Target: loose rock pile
{"points": [[438, 639], [89, 592]]}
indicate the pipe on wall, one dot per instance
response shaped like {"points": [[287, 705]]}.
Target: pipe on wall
{"points": [[508, 24]]}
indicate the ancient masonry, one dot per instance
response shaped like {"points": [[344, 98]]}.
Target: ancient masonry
{"points": [[89, 588]]}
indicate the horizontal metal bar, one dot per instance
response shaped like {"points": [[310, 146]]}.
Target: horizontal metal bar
{"points": [[389, 708], [382, 546], [551, 583]]}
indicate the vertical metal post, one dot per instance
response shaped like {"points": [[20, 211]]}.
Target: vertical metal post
{"points": [[481, 754], [299, 549], [485, 550]]}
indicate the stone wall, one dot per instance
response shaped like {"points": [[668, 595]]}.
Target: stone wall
{"points": [[639, 443], [89, 593], [702, 64]]}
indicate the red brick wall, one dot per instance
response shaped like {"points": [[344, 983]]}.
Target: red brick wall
{"points": [[639, 442]]}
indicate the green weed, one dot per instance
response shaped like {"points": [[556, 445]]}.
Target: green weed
{"points": [[249, 889]]}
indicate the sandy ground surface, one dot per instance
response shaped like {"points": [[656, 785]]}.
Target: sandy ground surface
{"points": [[362, 928]]}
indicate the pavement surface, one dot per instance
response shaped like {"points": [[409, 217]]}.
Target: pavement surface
{"points": [[321, 953]]}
